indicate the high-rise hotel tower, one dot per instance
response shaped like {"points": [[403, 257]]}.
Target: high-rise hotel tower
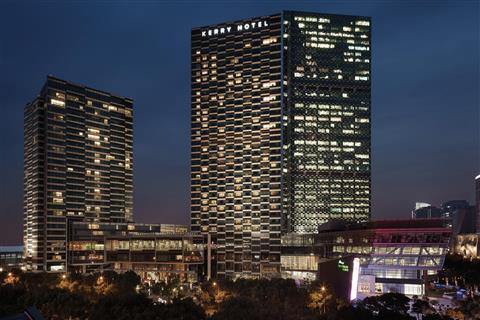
{"points": [[280, 132], [78, 164]]}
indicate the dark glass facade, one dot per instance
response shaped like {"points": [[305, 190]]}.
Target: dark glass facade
{"points": [[280, 132], [326, 119], [78, 163]]}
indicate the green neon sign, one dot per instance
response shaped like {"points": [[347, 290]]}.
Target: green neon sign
{"points": [[343, 266]]}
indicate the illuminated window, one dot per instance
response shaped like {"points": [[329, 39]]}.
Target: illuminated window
{"points": [[57, 102]]}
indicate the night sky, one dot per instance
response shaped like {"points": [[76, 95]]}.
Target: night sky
{"points": [[425, 91]]}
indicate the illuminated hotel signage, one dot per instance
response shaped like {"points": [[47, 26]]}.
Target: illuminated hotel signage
{"points": [[237, 27]]}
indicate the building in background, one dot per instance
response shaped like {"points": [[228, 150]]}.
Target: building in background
{"points": [[11, 257], [457, 214], [394, 256], [78, 162], [280, 132], [462, 215], [425, 210]]}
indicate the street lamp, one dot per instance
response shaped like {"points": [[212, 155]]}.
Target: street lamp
{"points": [[64, 276], [323, 289]]}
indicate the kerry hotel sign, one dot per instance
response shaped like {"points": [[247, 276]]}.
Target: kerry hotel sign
{"points": [[236, 27]]}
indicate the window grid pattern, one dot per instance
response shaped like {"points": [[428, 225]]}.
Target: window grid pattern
{"points": [[235, 145], [327, 121], [78, 164]]}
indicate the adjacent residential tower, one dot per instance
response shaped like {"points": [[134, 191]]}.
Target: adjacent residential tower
{"points": [[78, 164]]}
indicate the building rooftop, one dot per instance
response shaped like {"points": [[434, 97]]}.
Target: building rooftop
{"points": [[338, 225], [11, 248], [102, 92]]}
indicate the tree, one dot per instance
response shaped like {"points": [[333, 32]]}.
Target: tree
{"points": [[123, 307], [470, 308], [319, 297], [95, 296], [214, 293], [61, 303], [350, 312], [238, 308], [421, 307], [184, 309], [12, 299], [436, 316], [274, 299], [387, 306], [455, 314], [127, 282]]}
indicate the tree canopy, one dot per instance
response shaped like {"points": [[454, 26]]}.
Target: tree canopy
{"points": [[110, 295]]}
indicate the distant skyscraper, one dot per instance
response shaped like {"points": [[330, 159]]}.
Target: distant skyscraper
{"points": [[426, 211], [457, 214], [462, 214], [78, 163], [280, 132]]}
